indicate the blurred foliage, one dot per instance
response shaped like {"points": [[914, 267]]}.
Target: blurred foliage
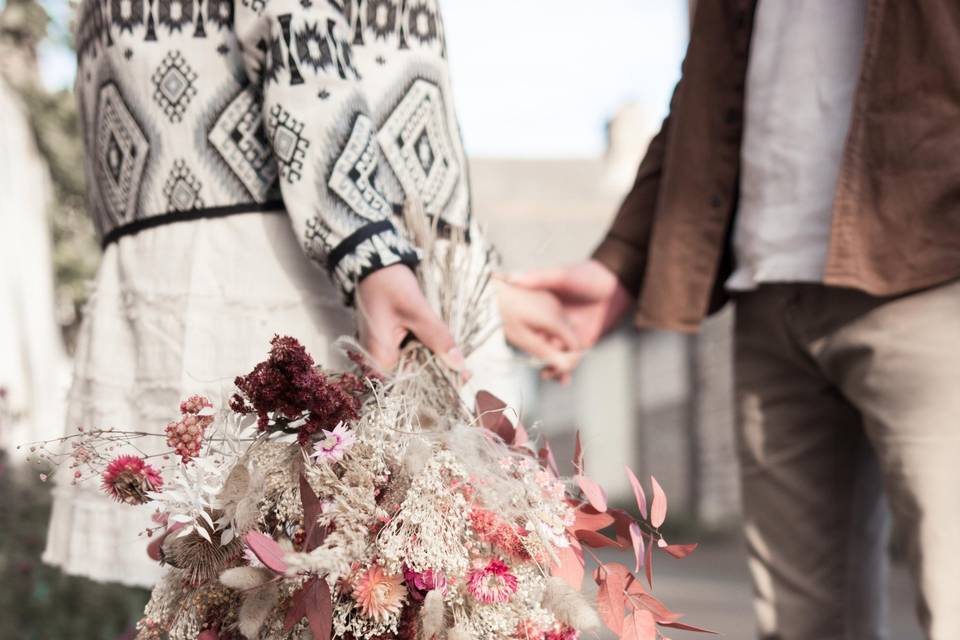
{"points": [[38, 602], [56, 128]]}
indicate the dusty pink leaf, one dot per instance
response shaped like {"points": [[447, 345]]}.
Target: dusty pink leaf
{"points": [[490, 410], [640, 599], [594, 493], [686, 627], [209, 634], [578, 454], [155, 547], [639, 625], [680, 550], [570, 567], [611, 581], [596, 540], [319, 609], [590, 518], [267, 550], [658, 510], [636, 539], [638, 493]]}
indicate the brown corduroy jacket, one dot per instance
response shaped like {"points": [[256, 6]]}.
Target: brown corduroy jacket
{"points": [[896, 211]]}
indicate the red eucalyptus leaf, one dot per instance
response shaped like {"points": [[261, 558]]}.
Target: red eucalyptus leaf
{"points": [[680, 550], [639, 625], [590, 519], [155, 548], [636, 539], [686, 627], [648, 562], [320, 610], [490, 410], [546, 458], [298, 608], [638, 493], [312, 509], [658, 510], [596, 540], [209, 634], [622, 522], [578, 454], [267, 550], [593, 491], [611, 581], [570, 567], [520, 437]]}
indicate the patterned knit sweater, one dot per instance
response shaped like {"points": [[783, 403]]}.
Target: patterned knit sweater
{"points": [[338, 111]]}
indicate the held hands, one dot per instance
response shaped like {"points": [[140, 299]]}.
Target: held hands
{"points": [[390, 306], [585, 297]]}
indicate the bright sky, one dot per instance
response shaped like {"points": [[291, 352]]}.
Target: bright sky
{"points": [[531, 81]]}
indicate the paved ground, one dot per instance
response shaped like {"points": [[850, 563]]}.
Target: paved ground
{"points": [[712, 588]]}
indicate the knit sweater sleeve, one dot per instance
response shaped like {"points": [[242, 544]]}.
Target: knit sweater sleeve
{"points": [[318, 123]]}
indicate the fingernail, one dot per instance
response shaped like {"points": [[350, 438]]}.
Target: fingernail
{"points": [[454, 359]]}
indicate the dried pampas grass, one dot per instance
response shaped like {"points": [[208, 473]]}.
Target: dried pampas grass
{"points": [[433, 615], [256, 609], [244, 578], [569, 605]]}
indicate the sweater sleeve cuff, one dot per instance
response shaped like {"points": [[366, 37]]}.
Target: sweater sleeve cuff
{"points": [[624, 260], [365, 251]]}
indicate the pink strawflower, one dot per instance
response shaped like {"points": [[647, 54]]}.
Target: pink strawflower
{"points": [[333, 444], [379, 595], [186, 435], [504, 537], [492, 583], [127, 479]]}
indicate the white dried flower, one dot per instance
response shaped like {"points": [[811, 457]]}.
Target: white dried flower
{"points": [[245, 578]]}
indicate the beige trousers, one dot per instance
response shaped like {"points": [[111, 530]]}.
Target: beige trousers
{"points": [[843, 398]]}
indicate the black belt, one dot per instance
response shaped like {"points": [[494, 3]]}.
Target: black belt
{"points": [[136, 226]]}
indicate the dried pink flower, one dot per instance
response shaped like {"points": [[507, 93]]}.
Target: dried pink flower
{"points": [[186, 435], [333, 444], [492, 583], [378, 594], [127, 479], [420, 582]]}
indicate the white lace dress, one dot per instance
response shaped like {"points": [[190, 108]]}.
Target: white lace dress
{"points": [[182, 309]]}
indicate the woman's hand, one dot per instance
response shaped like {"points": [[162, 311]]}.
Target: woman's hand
{"points": [[391, 305], [534, 322]]}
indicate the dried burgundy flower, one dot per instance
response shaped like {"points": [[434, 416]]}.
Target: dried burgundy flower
{"points": [[288, 387]]}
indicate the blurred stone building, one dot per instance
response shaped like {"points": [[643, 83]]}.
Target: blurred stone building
{"points": [[657, 401]]}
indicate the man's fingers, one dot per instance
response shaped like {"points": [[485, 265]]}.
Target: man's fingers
{"points": [[552, 278], [559, 329], [539, 346]]}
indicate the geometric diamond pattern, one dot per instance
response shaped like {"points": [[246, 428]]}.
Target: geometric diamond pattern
{"points": [[174, 87], [354, 174], [121, 150], [182, 188], [239, 137], [416, 142], [289, 145]]}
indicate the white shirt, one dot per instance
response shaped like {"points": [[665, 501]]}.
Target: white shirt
{"points": [[804, 66]]}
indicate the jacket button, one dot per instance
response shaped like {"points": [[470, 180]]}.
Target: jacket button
{"points": [[716, 201]]}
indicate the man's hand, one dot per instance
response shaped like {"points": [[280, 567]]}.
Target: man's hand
{"points": [[591, 296], [533, 321], [390, 305]]}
